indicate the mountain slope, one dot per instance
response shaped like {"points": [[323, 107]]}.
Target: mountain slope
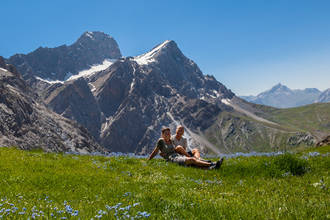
{"points": [[314, 118], [27, 123], [324, 96]]}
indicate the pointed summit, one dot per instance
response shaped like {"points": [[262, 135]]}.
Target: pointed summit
{"points": [[279, 87], [167, 48]]}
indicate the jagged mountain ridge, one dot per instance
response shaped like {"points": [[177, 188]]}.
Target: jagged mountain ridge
{"points": [[136, 96], [280, 96], [28, 124], [61, 62]]}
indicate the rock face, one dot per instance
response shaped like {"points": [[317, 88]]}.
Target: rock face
{"points": [[61, 62], [324, 142], [281, 96], [74, 100], [26, 123]]}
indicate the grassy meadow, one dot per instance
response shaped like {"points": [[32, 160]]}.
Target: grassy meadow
{"points": [[314, 117], [38, 185]]}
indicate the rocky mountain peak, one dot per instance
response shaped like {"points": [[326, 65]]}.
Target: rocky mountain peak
{"points": [[311, 90], [93, 37], [167, 49], [279, 87], [60, 62]]}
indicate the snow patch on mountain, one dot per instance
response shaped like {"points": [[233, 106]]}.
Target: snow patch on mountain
{"points": [[4, 69], [90, 35], [95, 68], [93, 88], [84, 73], [49, 81], [148, 57]]}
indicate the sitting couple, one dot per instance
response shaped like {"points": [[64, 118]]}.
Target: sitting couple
{"points": [[174, 149]]}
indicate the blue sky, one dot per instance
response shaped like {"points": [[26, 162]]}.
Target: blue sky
{"points": [[249, 46]]}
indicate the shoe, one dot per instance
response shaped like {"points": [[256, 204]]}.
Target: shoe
{"points": [[212, 167], [219, 163]]}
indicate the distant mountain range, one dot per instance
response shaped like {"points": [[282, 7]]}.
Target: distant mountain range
{"points": [[123, 102], [281, 96]]}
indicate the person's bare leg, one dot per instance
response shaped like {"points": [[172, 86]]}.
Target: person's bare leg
{"points": [[196, 153], [179, 149], [194, 161]]}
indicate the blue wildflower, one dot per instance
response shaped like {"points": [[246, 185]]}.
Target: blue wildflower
{"points": [[98, 216], [21, 213], [68, 209], [144, 214], [127, 194], [313, 154], [76, 212], [117, 206]]}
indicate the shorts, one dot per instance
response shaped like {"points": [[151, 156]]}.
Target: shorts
{"points": [[177, 158]]}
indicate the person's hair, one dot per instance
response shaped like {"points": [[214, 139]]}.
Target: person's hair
{"points": [[165, 129]]}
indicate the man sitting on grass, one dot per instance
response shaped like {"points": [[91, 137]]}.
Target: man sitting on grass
{"points": [[169, 152]]}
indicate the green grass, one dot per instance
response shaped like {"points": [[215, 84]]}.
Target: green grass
{"points": [[314, 117], [283, 187]]}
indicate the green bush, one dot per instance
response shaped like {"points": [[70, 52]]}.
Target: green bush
{"points": [[288, 164]]}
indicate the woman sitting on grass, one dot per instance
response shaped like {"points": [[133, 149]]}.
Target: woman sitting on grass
{"points": [[171, 153]]}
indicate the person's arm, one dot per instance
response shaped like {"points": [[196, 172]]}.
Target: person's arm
{"points": [[185, 144], [154, 153]]}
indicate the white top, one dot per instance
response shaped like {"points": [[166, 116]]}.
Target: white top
{"points": [[182, 142]]}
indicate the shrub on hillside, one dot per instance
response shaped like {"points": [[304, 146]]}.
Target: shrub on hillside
{"points": [[288, 164]]}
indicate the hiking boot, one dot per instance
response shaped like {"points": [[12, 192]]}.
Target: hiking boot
{"points": [[212, 167], [218, 163]]}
